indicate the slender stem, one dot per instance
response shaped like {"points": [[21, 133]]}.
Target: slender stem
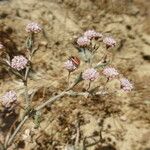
{"points": [[89, 85], [77, 135], [9, 133], [69, 73], [17, 73], [26, 73], [104, 88], [17, 130], [51, 100], [70, 93], [78, 80], [27, 100], [21, 106], [31, 41]]}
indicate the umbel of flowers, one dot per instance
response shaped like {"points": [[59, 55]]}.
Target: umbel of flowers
{"points": [[33, 27], [19, 62], [89, 35], [93, 73], [9, 99], [90, 74], [72, 63], [110, 72]]}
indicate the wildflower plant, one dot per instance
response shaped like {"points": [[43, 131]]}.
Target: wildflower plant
{"points": [[87, 47]]}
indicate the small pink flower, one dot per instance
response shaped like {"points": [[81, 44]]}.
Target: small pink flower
{"points": [[19, 62], [9, 98], [126, 85], [92, 34], [1, 46], [70, 66], [83, 41], [33, 27], [110, 72], [90, 74], [110, 42], [72, 63]]}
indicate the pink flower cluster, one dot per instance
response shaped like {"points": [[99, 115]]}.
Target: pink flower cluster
{"points": [[33, 28], [9, 98], [110, 42], [69, 65], [87, 37], [126, 85], [90, 74], [1, 46], [110, 72], [19, 62], [83, 41], [92, 34], [72, 63]]}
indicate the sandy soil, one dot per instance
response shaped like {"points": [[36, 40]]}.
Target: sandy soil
{"points": [[123, 118]]}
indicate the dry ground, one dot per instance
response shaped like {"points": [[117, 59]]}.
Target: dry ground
{"points": [[125, 118]]}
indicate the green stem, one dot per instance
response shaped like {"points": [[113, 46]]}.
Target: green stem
{"points": [[51, 100], [16, 131], [69, 73], [27, 100], [89, 85]]}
